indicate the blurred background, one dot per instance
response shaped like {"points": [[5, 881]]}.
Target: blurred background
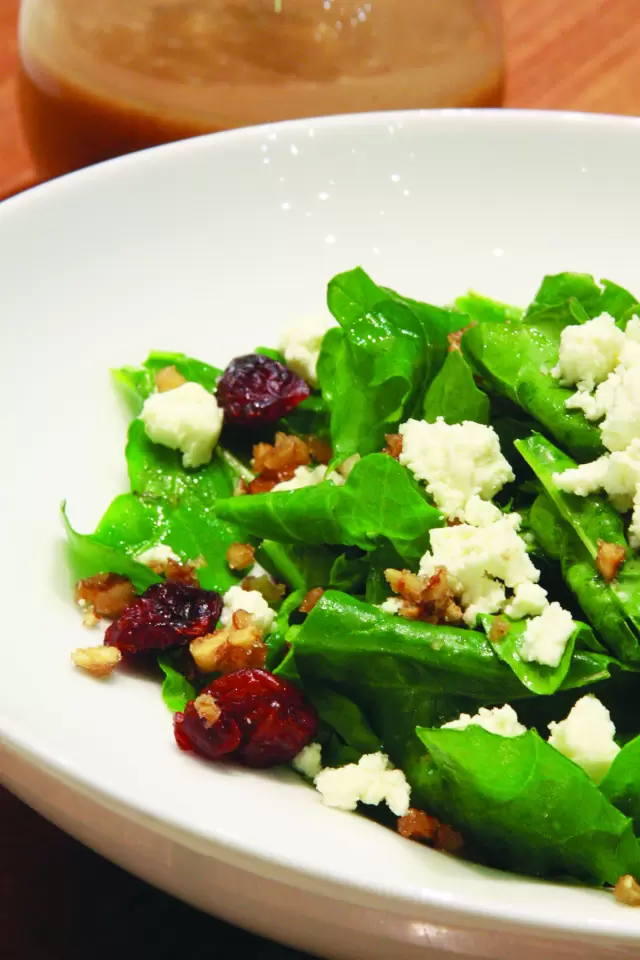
{"points": [[90, 79]]}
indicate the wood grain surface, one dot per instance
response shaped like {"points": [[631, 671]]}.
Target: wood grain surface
{"points": [[60, 900]]}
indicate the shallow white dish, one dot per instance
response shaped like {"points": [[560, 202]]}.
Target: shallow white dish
{"points": [[208, 246]]}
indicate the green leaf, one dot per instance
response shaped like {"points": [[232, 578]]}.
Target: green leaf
{"points": [[483, 310], [571, 296], [454, 395], [622, 783], [176, 689], [380, 502], [89, 556], [375, 368], [541, 815]]}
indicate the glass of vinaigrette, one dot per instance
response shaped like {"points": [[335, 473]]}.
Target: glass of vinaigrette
{"points": [[101, 78]]}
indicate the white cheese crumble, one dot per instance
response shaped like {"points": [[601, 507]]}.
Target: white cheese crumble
{"points": [[618, 474], [309, 761], [546, 636], [300, 345], [391, 605], [528, 600], [372, 780], [480, 562], [589, 352], [308, 477], [634, 526], [586, 737], [458, 462], [252, 602], [187, 418], [502, 721], [157, 556]]}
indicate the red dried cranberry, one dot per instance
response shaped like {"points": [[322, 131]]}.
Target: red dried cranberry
{"points": [[166, 615], [256, 390], [249, 716]]}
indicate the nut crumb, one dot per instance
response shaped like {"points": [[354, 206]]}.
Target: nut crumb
{"points": [[240, 556], [310, 600], [394, 445], [609, 559], [108, 594], [98, 661], [168, 379], [234, 647], [207, 709], [499, 629], [430, 599], [627, 891], [417, 825]]}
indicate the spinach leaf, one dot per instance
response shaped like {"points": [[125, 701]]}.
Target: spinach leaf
{"points": [[380, 502], [514, 360], [622, 783], [537, 677], [176, 689], [88, 556], [526, 806], [138, 383], [299, 566], [483, 310], [374, 368], [276, 639], [576, 296], [453, 394]]}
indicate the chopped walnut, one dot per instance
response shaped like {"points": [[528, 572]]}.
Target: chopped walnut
{"points": [[394, 445], [455, 337], [320, 451], [89, 619], [168, 379], [273, 463], [183, 572], [448, 839], [240, 556], [499, 629], [310, 600], [236, 646], [425, 598], [108, 594], [627, 891], [207, 709], [609, 559], [417, 825], [98, 661], [271, 591]]}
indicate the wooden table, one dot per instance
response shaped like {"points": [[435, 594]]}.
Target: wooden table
{"points": [[65, 902]]}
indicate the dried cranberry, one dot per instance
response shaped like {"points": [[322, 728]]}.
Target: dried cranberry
{"points": [[249, 716], [256, 390], [166, 615]]}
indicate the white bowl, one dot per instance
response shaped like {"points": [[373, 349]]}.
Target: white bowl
{"points": [[207, 246]]}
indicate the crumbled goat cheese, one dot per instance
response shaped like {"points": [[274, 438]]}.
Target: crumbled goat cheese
{"points": [[500, 720], [621, 424], [618, 474], [372, 780], [634, 526], [586, 737], [458, 462], [300, 345], [187, 418], [391, 605], [589, 352], [528, 600], [158, 555], [546, 636], [309, 761], [308, 477], [480, 562], [252, 602]]}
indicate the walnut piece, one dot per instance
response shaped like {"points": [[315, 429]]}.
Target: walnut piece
{"points": [[394, 445], [425, 598], [627, 891], [236, 646], [168, 379], [240, 556], [108, 594], [609, 559], [499, 629], [207, 709], [272, 591], [98, 661], [420, 826], [310, 600], [273, 463], [320, 451]]}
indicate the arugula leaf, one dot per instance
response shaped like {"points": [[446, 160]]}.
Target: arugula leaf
{"points": [[88, 556], [138, 383], [375, 367], [577, 296], [622, 783], [541, 815], [483, 310], [176, 689], [453, 394], [537, 677], [379, 502], [514, 360]]}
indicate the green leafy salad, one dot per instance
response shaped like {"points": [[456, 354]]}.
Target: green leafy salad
{"points": [[400, 553]]}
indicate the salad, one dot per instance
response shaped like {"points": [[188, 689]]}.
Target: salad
{"points": [[400, 553]]}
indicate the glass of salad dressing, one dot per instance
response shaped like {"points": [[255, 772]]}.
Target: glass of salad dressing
{"points": [[105, 77]]}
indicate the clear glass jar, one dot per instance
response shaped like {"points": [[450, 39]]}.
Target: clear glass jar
{"points": [[105, 77]]}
